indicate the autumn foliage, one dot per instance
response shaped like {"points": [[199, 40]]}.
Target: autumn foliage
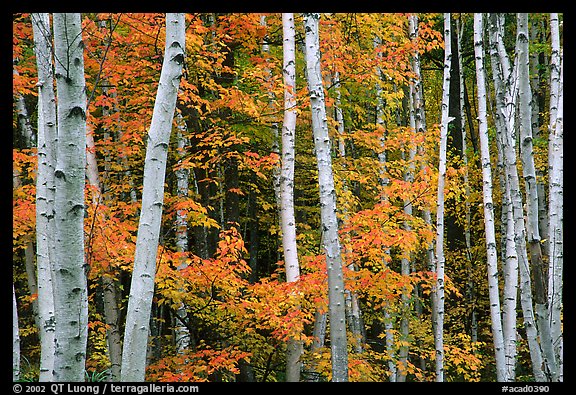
{"points": [[240, 311]]}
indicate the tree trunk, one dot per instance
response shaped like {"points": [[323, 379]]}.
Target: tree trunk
{"points": [[529, 174], [45, 188], [318, 337], [336, 302], [504, 85], [70, 287], [353, 312], [439, 257], [142, 286], [15, 339], [556, 188], [491, 253], [27, 133], [182, 334], [294, 347]]}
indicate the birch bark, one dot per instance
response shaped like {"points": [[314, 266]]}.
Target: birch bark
{"points": [[556, 188], [45, 189], [439, 257], [182, 334], [529, 175], [287, 219], [491, 252], [336, 304], [15, 339], [505, 92], [70, 286], [142, 286]]}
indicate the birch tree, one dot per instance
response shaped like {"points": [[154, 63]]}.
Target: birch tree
{"points": [[331, 244], [439, 257], [142, 285], [556, 187], [504, 76], [15, 339], [287, 219], [182, 334], [529, 175], [491, 252], [45, 189], [70, 287]]}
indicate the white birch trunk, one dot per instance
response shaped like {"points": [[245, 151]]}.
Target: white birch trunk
{"points": [[509, 253], [336, 304], [509, 313], [353, 311], [274, 126], [15, 339], [142, 286], [45, 188], [535, 83], [25, 127], [439, 257], [504, 84], [318, 337], [556, 188], [529, 174], [405, 262], [70, 287], [420, 125], [24, 123], [491, 252], [181, 332], [287, 219]]}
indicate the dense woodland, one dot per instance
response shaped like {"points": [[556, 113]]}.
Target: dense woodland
{"points": [[287, 197]]}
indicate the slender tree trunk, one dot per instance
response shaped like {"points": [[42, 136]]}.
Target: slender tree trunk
{"points": [[491, 253], [70, 287], [420, 125], [294, 347], [556, 188], [509, 254], [468, 214], [24, 122], [529, 174], [27, 133], [15, 339], [353, 312], [109, 287], [336, 302], [537, 97], [318, 337], [182, 334], [142, 286], [45, 190], [439, 258], [504, 83], [274, 127]]}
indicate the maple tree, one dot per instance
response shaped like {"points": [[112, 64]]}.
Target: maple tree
{"points": [[224, 306]]}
